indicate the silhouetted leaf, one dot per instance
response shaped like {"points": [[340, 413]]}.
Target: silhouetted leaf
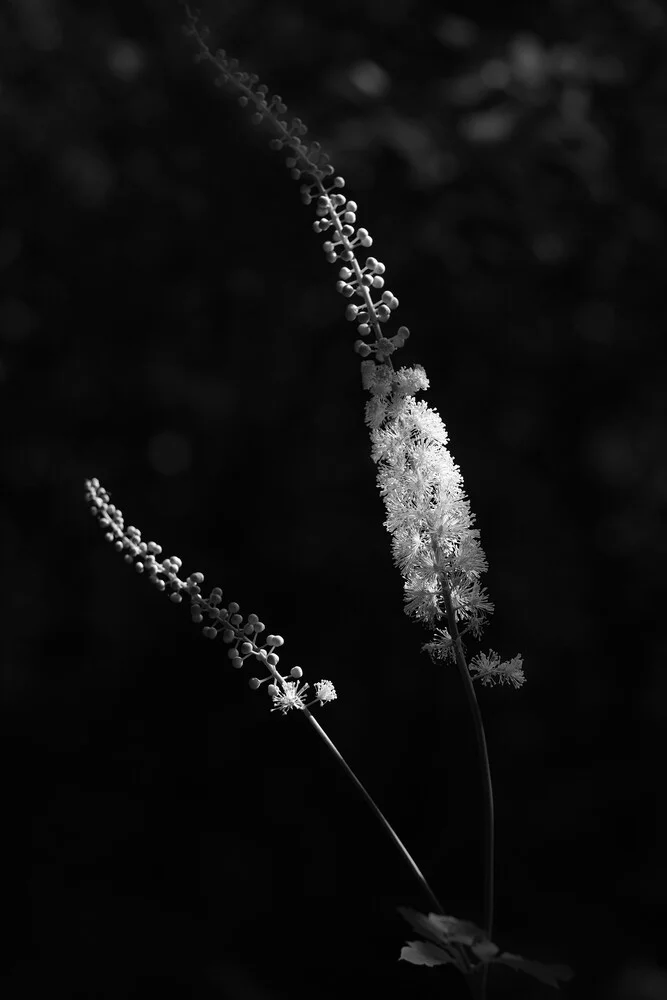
{"points": [[451, 933], [427, 953]]}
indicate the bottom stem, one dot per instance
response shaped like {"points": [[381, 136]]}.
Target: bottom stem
{"points": [[378, 812], [489, 822]]}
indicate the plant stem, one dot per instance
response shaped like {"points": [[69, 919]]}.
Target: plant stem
{"points": [[380, 815], [489, 825]]}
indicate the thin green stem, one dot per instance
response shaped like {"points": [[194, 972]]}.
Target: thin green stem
{"points": [[460, 954], [378, 812], [489, 823]]}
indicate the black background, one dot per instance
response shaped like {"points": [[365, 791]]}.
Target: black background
{"points": [[168, 323]]}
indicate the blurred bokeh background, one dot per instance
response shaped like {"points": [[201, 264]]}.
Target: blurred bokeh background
{"points": [[168, 323]]}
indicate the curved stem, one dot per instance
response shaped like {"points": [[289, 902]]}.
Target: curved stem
{"points": [[380, 815], [489, 823]]}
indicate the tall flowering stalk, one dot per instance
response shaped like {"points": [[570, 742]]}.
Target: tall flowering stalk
{"points": [[285, 691], [434, 542]]}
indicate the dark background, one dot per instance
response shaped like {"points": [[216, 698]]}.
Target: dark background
{"points": [[169, 324]]}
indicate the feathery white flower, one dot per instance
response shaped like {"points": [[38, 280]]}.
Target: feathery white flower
{"points": [[490, 668], [428, 513]]}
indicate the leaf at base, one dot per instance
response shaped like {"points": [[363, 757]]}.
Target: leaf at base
{"points": [[426, 953]]}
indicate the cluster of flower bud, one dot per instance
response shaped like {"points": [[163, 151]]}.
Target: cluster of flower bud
{"points": [[334, 211], [239, 636], [303, 159], [338, 212]]}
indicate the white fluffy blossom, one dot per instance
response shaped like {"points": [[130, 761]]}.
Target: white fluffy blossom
{"points": [[428, 513], [434, 542]]}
